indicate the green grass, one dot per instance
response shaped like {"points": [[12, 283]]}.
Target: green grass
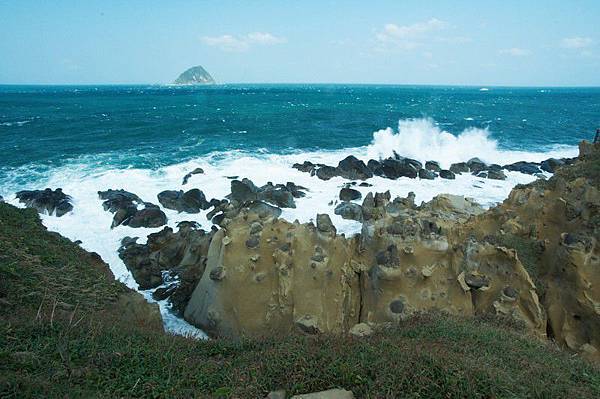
{"points": [[84, 348]]}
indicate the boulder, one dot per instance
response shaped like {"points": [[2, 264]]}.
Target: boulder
{"points": [[48, 201], [476, 165], [326, 172], [496, 174], [147, 217], [349, 210], [433, 166], [460, 167], [427, 174], [394, 169], [447, 174], [530, 168], [353, 169], [349, 194], [196, 171], [376, 167], [551, 164], [280, 195], [191, 201]]}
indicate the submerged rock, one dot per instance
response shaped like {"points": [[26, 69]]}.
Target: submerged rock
{"points": [[530, 168], [48, 201], [187, 177]]}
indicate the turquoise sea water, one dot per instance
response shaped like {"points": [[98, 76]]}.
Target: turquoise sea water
{"points": [[152, 126]]}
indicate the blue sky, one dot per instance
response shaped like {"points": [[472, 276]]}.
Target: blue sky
{"points": [[398, 42]]}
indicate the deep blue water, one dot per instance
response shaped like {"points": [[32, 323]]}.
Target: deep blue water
{"points": [[152, 126]]}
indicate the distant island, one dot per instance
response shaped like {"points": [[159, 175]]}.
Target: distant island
{"points": [[195, 76]]}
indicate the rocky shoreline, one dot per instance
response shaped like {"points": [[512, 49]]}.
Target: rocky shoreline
{"points": [[533, 259]]}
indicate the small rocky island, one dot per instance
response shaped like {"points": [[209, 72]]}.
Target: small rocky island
{"points": [[196, 75]]}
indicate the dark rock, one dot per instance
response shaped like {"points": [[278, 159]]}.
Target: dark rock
{"points": [[349, 194], [326, 172], [460, 167], [307, 167], [191, 201], [510, 292], [496, 174], [277, 196], [551, 164], [427, 174], [324, 224], [394, 169], [196, 171], [446, 174], [48, 201], [433, 166], [181, 254], [365, 184], [389, 257], [148, 217], [376, 167], [413, 162], [1, 199], [217, 274], [118, 199], [163, 293], [353, 169], [243, 191], [476, 165], [530, 168], [397, 306], [349, 210]]}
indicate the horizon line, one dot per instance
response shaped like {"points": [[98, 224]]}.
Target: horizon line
{"points": [[307, 83]]}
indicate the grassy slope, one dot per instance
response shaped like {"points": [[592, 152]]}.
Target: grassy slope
{"points": [[62, 333]]}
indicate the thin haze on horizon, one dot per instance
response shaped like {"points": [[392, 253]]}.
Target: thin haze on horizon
{"points": [[510, 43]]}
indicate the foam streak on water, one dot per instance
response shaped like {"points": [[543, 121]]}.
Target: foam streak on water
{"points": [[420, 139]]}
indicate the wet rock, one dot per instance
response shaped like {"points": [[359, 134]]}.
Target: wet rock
{"points": [[353, 169], [426, 174], [376, 167], [394, 169], [196, 171], [349, 194], [349, 210], [192, 201], [47, 201], [326, 172], [530, 168], [147, 217], [496, 174], [447, 174], [476, 165], [307, 167], [1, 199], [460, 167], [280, 195], [180, 254], [433, 166], [551, 164]]}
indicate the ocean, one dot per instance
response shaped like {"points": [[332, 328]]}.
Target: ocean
{"points": [[144, 139]]}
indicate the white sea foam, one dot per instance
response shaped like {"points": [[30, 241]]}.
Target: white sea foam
{"points": [[419, 139]]}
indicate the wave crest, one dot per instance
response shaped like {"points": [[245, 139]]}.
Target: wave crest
{"points": [[423, 140]]}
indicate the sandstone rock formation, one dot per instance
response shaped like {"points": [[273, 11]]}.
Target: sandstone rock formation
{"points": [[534, 260]]}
